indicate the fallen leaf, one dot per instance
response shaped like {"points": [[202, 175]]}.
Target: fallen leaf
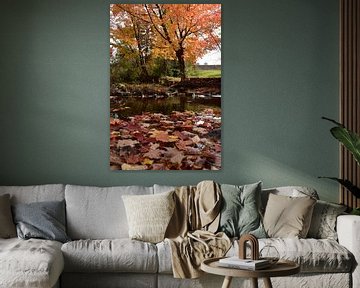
{"points": [[181, 135], [177, 159], [183, 145], [163, 136], [147, 161], [196, 139], [154, 146], [126, 142], [153, 154], [114, 134], [115, 159], [114, 121], [171, 151], [158, 166], [133, 167], [133, 159], [200, 130]]}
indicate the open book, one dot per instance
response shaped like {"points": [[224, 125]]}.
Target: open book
{"points": [[236, 262]]}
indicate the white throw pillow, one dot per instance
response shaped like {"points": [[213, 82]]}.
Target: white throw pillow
{"points": [[149, 215]]}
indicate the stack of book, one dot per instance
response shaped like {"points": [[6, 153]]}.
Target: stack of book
{"points": [[248, 264]]}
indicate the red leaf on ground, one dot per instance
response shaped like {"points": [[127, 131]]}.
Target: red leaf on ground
{"points": [[181, 135], [133, 159], [163, 136], [153, 154], [183, 145]]}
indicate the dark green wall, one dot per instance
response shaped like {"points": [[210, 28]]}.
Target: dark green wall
{"points": [[280, 75]]}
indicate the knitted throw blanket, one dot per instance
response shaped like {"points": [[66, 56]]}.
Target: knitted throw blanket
{"points": [[191, 232]]}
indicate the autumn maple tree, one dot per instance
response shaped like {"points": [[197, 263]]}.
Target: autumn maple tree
{"points": [[181, 32]]}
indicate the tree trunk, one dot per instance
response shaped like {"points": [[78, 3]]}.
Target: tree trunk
{"points": [[181, 61]]}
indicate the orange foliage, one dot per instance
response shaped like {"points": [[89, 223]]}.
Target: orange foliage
{"points": [[173, 31]]}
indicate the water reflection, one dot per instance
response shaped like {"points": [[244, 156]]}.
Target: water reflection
{"points": [[124, 107]]}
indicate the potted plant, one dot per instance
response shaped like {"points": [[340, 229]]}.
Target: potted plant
{"points": [[351, 141]]}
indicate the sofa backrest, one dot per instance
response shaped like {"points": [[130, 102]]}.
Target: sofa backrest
{"points": [[36, 193], [98, 212], [163, 188]]}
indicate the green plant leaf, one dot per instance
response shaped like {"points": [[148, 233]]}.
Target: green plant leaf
{"points": [[333, 121], [355, 211], [348, 138], [347, 184]]}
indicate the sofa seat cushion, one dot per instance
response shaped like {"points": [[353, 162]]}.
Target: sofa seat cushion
{"points": [[313, 255], [30, 263], [115, 255]]}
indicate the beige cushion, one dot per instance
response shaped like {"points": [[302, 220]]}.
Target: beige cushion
{"points": [[288, 217], [149, 215], [7, 226], [293, 191]]}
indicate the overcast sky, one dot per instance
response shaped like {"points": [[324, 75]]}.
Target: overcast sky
{"points": [[211, 58]]}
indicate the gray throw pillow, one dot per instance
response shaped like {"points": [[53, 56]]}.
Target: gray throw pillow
{"points": [[44, 220], [240, 213], [7, 226], [323, 222]]}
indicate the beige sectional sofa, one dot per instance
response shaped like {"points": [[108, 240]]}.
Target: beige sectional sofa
{"points": [[102, 255]]}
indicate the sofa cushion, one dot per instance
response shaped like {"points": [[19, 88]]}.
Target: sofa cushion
{"points": [[164, 257], [43, 220], [98, 213], [149, 215], [313, 255], [240, 210], [30, 263], [7, 226], [291, 191], [116, 255], [36, 193], [163, 188], [323, 222], [287, 216]]}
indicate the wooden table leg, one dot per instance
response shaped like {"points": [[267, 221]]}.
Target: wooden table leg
{"points": [[267, 283], [227, 282], [254, 282]]}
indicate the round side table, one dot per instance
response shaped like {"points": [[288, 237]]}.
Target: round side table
{"points": [[281, 268]]}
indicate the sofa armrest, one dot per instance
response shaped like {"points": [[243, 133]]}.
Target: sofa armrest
{"points": [[348, 230]]}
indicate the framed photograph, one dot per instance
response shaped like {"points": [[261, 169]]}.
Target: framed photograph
{"points": [[165, 86]]}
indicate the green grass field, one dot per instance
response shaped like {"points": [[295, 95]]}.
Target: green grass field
{"points": [[205, 73]]}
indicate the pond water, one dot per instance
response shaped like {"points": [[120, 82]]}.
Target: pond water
{"points": [[123, 107]]}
